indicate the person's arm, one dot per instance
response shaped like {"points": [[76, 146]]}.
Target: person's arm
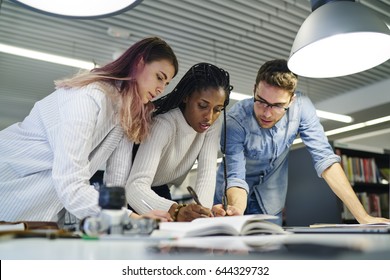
{"points": [[187, 213], [237, 188], [338, 182], [237, 202], [327, 163], [71, 142], [118, 165], [160, 215], [205, 179], [144, 168], [237, 197]]}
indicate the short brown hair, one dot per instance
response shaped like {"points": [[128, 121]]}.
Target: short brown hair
{"points": [[276, 73]]}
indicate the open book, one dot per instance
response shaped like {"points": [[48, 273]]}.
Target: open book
{"points": [[229, 225]]}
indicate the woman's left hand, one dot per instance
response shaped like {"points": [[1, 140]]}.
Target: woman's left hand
{"points": [[160, 215]]}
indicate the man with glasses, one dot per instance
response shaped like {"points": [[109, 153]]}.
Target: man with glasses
{"points": [[259, 134]]}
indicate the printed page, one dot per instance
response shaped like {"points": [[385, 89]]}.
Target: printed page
{"points": [[229, 225], [235, 221]]}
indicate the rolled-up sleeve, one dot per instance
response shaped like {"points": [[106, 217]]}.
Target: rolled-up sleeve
{"points": [[313, 136], [235, 158]]}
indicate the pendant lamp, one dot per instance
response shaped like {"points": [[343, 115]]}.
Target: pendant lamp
{"points": [[339, 38]]}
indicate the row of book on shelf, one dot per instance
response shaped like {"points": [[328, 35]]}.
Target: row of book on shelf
{"points": [[376, 204], [362, 170]]}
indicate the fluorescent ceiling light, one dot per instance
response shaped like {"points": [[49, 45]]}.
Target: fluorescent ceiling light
{"points": [[79, 8], [357, 126], [339, 38], [334, 117], [89, 65], [351, 127], [47, 57]]}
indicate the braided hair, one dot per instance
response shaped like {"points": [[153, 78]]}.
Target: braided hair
{"points": [[199, 77]]}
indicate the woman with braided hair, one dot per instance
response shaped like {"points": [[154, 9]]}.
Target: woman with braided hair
{"points": [[185, 129]]}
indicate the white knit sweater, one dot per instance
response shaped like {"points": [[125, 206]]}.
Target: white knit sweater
{"points": [[166, 157]]}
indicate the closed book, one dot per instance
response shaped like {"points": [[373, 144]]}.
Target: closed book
{"points": [[27, 225]]}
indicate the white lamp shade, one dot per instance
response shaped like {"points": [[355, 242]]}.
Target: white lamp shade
{"points": [[338, 39], [80, 8]]}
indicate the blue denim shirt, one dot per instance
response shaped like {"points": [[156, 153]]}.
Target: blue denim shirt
{"points": [[257, 158]]}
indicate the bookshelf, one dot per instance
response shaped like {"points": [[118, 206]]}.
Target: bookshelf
{"points": [[367, 169]]}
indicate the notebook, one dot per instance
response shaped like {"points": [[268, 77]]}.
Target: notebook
{"points": [[342, 228]]}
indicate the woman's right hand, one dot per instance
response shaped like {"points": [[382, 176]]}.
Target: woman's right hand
{"points": [[193, 211], [161, 215]]}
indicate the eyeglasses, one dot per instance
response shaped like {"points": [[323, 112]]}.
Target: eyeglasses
{"points": [[273, 107]]}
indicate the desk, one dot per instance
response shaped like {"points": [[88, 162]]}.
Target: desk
{"points": [[295, 246]]}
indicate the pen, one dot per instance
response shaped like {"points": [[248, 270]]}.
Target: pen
{"points": [[224, 202], [147, 204], [194, 195]]}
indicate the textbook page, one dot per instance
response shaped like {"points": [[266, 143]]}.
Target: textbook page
{"points": [[229, 225]]}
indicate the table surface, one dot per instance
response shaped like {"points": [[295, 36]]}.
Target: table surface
{"points": [[294, 246]]}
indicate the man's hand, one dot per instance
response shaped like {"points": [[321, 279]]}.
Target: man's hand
{"points": [[237, 198], [371, 220], [218, 211]]}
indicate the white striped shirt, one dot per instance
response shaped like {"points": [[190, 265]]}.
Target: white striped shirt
{"points": [[46, 161], [167, 156]]}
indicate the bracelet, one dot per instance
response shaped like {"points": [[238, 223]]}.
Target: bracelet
{"points": [[176, 213]]}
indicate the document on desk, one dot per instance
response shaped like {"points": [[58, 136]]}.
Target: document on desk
{"points": [[343, 228], [349, 225], [229, 225]]}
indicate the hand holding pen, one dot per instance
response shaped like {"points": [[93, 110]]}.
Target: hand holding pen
{"points": [[218, 210], [193, 211], [227, 209], [194, 195]]}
